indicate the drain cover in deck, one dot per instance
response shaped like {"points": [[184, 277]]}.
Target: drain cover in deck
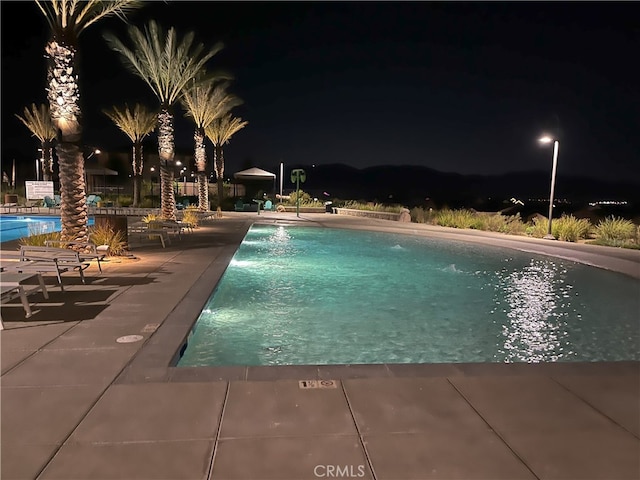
{"points": [[307, 384]]}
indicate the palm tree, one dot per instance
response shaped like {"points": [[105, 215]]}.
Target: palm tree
{"points": [[205, 102], [67, 20], [38, 121], [167, 66], [136, 125], [220, 132]]}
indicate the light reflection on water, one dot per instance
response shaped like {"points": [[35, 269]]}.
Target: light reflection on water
{"points": [[306, 296], [536, 304]]}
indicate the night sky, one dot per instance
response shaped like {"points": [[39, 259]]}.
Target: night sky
{"points": [[463, 87]]}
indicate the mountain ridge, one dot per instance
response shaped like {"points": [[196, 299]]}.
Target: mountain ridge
{"points": [[414, 184]]}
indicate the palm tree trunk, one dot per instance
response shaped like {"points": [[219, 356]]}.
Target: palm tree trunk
{"points": [[73, 208], [64, 105], [203, 192], [166, 153], [47, 162], [137, 174], [201, 166], [218, 157], [167, 195]]}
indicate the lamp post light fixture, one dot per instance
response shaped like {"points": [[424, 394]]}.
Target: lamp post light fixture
{"points": [[95, 151], [152, 169], [556, 145]]}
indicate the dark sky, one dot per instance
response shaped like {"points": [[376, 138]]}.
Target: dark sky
{"points": [[462, 87]]}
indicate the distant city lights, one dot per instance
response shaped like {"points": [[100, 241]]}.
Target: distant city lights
{"points": [[546, 200], [608, 202]]}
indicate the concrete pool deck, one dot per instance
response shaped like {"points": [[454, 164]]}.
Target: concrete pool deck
{"points": [[76, 404]]}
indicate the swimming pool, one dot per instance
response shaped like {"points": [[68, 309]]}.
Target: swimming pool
{"points": [[15, 227], [313, 296]]}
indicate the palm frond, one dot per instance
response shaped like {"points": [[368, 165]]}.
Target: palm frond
{"points": [[136, 123], [163, 62], [74, 16], [38, 121], [204, 102], [222, 129]]}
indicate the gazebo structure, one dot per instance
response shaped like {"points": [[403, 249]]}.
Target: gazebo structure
{"points": [[256, 179], [96, 177]]}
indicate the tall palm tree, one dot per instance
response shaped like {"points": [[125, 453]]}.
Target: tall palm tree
{"points": [[38, 121], [204, 102], [167, 65], [135, 124], [220, 132], [67, 19]]}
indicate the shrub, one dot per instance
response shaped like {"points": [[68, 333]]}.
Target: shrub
{"points": [[147, 202], [420, 215], [513, 225], [538, 227], [190, 215], [39, 239], [125, 200], [305, 198], [105, 235], [510, 224], [616, 231], [567, 228], [570, 229], [151, 217], [373, 207], [456, 218]]}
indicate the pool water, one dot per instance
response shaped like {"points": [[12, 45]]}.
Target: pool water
{"points": [[15, 227], [313, 296]]}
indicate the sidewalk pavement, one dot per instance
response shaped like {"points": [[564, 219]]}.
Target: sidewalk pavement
{"points": [[78, 404]]}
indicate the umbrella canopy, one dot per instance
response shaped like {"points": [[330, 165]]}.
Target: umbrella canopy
{"points": [[254, 173]]}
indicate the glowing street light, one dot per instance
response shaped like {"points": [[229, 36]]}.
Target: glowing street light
{"points": [[95, 151], [546, 139]]}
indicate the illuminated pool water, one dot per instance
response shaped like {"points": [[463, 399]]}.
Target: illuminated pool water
{"points": [[309, 296], [15, 227]]}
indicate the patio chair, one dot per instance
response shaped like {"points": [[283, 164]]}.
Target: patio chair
{"points": [[49, 203], [239, 206], [92, 200], [268, 205]]}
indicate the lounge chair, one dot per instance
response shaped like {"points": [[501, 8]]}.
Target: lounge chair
{"points": [[143, 231], [92, 200], [34, 259], [14, 285], [88, 251]]}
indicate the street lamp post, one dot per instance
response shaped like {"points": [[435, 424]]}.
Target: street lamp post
{"points": [[94, 151], [547, 139], [298, 176]]}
